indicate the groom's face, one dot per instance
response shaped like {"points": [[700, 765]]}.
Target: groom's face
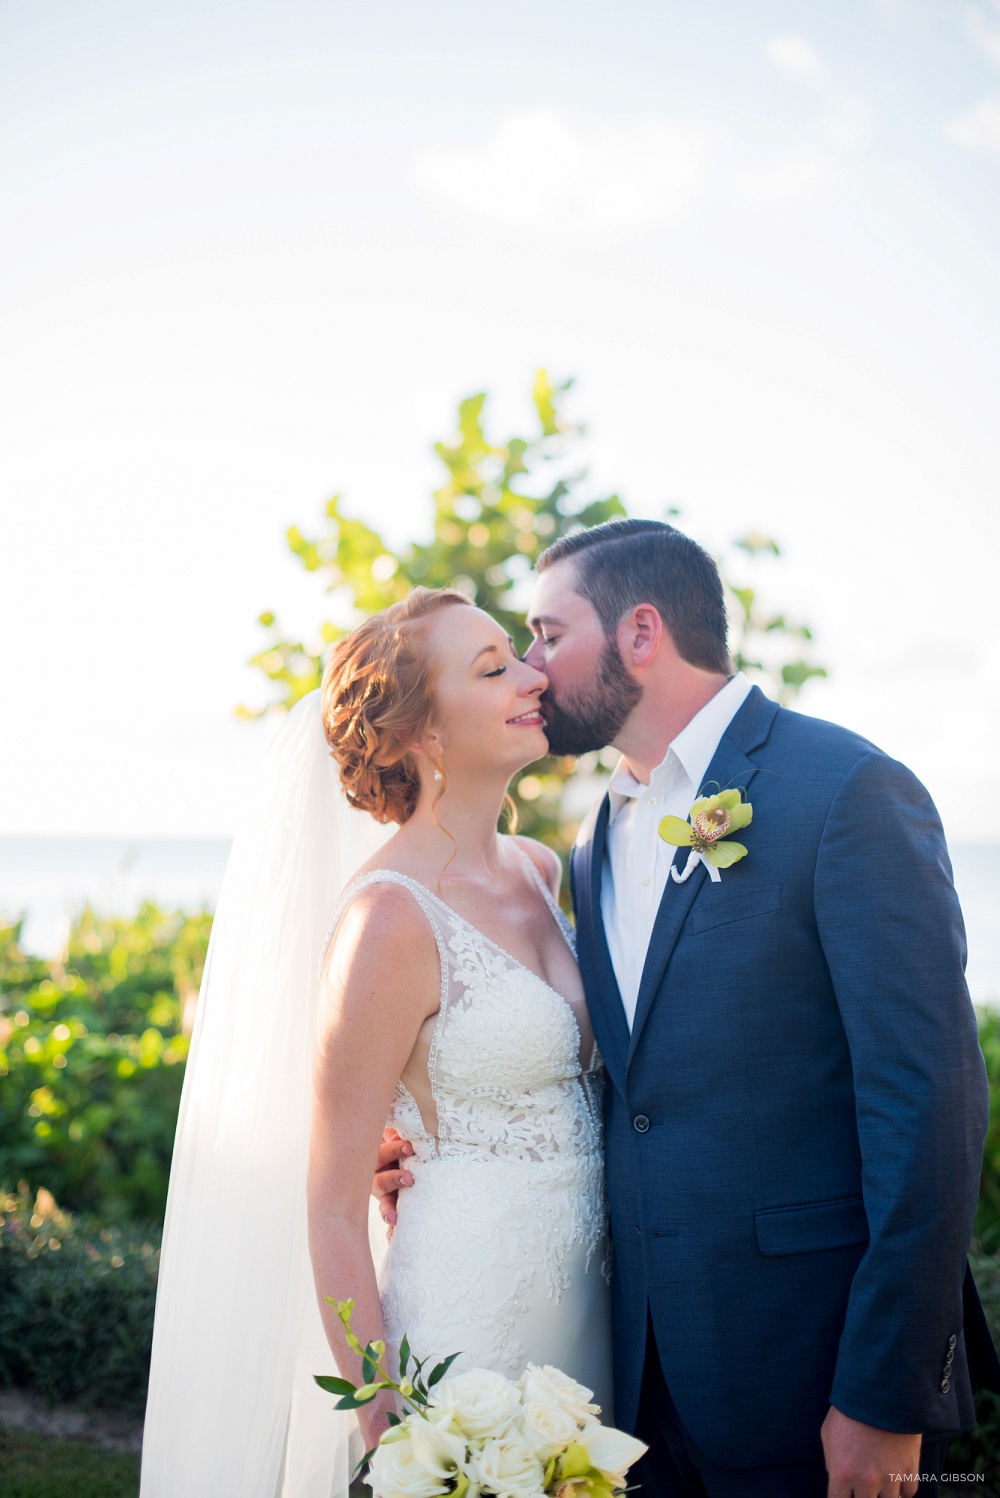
{"points": [[591, 692]]}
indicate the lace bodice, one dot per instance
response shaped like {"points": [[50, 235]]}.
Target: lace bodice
{"points": [[503, 1066]]}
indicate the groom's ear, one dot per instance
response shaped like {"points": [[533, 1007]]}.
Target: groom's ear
{"points": [[640, 635]]}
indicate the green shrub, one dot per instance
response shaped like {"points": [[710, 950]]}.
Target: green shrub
{"points": [[35, 1466], [987, 1229], [980, 1451], [92, 1052], [76, 1305]]}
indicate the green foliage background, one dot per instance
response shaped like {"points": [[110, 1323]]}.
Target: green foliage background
{"points": [[500, 503], [76, 1304], [92, 1051]]}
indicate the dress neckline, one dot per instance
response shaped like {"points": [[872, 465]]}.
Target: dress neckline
{"points": [[554, 911]]}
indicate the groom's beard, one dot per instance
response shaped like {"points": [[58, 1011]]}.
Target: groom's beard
{"points": [[592, 718]]}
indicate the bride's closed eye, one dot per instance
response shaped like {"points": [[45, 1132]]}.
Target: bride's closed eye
{"points": [[498, 672]]}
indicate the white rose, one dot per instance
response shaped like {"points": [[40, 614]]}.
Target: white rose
{"points": [[395, 1472], [548, 1428], [508, 1467], [481, 1402], [550, 1385], [610, 1451]]}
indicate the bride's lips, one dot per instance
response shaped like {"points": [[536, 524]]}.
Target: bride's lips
{"points": [[532, 719]]}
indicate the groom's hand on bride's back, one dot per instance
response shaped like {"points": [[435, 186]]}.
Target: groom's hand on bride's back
{"points": [[391, 1174]]}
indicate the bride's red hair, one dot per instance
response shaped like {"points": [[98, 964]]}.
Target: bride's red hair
{"points": [[378, 698]]}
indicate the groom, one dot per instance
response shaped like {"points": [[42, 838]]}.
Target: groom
{"points": [[797, 1102]]}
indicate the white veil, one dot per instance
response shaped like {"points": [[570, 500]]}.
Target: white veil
{"points": [[233, 1411]]}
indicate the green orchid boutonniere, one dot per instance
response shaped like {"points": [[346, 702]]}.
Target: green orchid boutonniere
{"points": [[712, 817]]}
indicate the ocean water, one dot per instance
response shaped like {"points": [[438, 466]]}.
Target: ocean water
{"points": [[46, 880]]}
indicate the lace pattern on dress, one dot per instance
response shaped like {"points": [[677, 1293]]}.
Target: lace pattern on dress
{"points": [[517, 1159]]}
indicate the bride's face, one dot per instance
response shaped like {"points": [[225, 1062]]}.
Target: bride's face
{"points": [[486, 697]]}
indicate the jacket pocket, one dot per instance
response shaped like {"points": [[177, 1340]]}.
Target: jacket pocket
{"points": [[810, 1228], [716, 907]]}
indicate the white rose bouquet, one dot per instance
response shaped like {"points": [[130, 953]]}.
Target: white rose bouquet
{"points": [[480, 1433]]}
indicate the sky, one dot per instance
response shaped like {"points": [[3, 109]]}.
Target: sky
{"points": [[252, 255]]}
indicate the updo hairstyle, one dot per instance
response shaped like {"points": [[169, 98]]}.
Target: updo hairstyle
{"points": [[378, 698]]}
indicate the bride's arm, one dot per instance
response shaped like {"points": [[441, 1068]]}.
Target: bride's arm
{"points": [[381, 983]]}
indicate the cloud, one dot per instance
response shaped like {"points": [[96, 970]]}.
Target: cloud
{"points": [[795, 175], [850, 121], [816, 169], [847, 120], [978, 129], [537, 168], [985, 36], [793, 55]]}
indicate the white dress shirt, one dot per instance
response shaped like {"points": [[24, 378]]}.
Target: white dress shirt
{"points": [[635, 878]]}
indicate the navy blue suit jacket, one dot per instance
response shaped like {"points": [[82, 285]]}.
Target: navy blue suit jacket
{"points": [[795, 1123]]}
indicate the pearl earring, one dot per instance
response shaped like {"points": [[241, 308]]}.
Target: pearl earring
{"points": [[438, 775]]}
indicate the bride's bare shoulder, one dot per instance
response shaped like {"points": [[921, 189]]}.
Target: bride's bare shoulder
{"points": [[545, 859], [383, 914], [383, 943]]}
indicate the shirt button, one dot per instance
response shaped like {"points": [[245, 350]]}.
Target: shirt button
{"points": [[644, 879], [650, 800]]}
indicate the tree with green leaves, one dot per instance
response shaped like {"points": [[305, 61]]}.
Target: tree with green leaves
{"points": [[500, 504]]}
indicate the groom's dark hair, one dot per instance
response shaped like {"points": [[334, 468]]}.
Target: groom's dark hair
{"points": [[626, 562]]}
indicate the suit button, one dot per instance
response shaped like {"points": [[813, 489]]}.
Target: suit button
{"points": [[640, 1123], [949, 1360], [945, 1385], [952, 1342]]}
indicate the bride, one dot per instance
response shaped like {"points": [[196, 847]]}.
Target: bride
{"points": [[449, 1007]]}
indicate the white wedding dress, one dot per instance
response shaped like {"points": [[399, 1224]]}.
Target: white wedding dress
{"points": [[500, 1249]]}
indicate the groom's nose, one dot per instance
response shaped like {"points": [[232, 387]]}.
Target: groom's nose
{"points": [[532, 656]]}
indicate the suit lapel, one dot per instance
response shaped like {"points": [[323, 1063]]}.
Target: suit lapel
{"points": [[730, 768], [607, 1013]]}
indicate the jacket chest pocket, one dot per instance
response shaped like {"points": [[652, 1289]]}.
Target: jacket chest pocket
{"points": [[717, 907]]}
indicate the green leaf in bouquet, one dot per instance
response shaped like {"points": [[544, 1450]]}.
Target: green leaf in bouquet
{"points": [[393, 1420], [364, 1395], [334, 1385], [419, 1387], [404, 1356], [362, 1466], [438, 1373], [369, 1362]]}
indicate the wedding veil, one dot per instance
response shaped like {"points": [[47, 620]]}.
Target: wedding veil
{"points": [[233, 1411]]}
